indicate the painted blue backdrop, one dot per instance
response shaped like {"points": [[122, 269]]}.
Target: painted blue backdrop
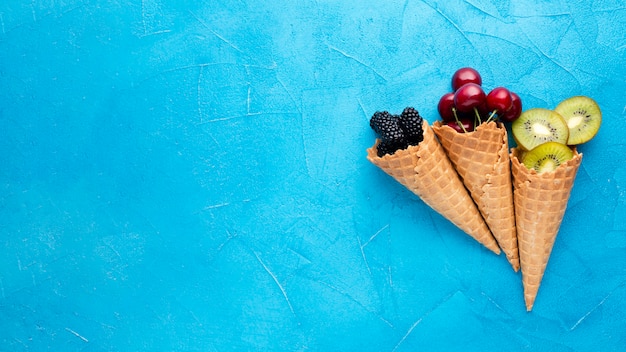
{"points": [[191, 176]]}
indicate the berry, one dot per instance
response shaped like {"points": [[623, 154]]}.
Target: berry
{"points": [[387, 147], [465, 75], [395, 135], [386, 126], [411, 123], [384, 148], [468, 125], [382, 122], [446, 107], [391, 134], [514, 111], [483, 110], [468, 97], [499, 100]]}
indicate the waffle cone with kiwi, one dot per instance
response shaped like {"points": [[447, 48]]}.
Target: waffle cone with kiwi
{"points": [[426, 171], [481, 158], [540, 201]]}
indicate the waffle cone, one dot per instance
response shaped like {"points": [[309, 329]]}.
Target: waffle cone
{"points": [[481, 158], [426, 171], [540, 203]]}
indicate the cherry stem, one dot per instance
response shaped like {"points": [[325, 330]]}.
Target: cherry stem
{"points": [[458, 122], [477, 116], [491, 116]]}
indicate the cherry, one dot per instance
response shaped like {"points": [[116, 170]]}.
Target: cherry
{"points": [[468, 125], [499, 100], [483, 110], [468, 97], [514, 111], [465, 75], [446, 106]]}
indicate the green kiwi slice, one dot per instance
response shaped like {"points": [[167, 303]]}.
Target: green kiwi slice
{"points": [[547, 157], [583, 117], [538, 126]]}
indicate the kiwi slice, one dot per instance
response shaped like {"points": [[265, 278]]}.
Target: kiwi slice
{"points": [[583, 118], [538, 126], [547, 157]]}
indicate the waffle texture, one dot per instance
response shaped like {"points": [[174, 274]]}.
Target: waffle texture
{"points": [[481, 158], [426, 171], [540, 203]]}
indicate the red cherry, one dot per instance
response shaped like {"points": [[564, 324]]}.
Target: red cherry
{"points": [[465, 75], [514, 111], [499, 100], [468, 97], [445, 106], [483, 110], [468, 125]]}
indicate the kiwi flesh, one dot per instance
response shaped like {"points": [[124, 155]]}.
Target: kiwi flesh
{"points": [[547, 157], [583, 117], [537, 126]]}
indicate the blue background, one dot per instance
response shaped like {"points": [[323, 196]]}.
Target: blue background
{"points": [[192, 177]]}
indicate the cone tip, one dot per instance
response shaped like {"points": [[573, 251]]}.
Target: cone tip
{"points": [[529, 303], [515, 264]]}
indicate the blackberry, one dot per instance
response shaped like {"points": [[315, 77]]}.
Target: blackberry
{"points": [[383, 121], [387, 127], [411, 123], [384, 148], [388, 147], [397, 132]]}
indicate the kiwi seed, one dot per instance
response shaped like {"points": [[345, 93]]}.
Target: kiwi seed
{"points": [[583, 117], [547, 157], [538, 126]]}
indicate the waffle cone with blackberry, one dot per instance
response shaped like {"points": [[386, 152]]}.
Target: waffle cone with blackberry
{"points": [[425, 169]]}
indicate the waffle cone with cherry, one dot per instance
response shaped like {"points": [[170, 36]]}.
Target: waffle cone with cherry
{"points": [[481, 158], [473, 134]]}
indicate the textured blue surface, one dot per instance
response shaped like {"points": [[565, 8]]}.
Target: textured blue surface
{"points": [[193, 177]]}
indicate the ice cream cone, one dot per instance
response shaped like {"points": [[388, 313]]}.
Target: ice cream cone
{"points": [[426, 171], [481, 158], [540, 203]]}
